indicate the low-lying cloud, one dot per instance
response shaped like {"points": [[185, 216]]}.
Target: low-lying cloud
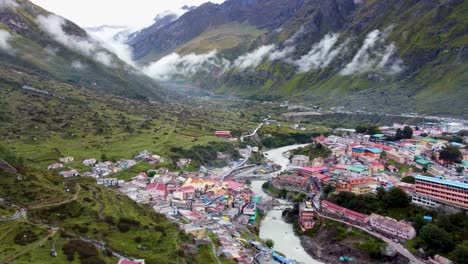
{"points": [[254, 58], [5, 37], [114, 40], [53, 25], [175, 65], [374, 56], [8, 4], [321, 54]]}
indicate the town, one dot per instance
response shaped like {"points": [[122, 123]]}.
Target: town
{"points": [[428, 162]]}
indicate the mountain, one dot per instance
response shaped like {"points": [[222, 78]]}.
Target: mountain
{"points": [[37, 42], [362, 55]]}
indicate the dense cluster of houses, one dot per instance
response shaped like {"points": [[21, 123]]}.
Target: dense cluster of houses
{"points": [[203, 203]]}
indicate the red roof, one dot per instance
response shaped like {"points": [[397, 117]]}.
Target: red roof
{"points": [[376, 164], [188, 189], [313, 169], [320, 138], [130, 262], [156, 185], [343, 210]]}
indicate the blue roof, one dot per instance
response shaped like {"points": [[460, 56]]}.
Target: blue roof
{"points": [[375, 150], [441, 181]]}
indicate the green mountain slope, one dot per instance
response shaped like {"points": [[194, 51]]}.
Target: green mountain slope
{"points": [[42, 44], [374, 54]]}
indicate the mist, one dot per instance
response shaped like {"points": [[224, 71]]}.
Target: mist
{"points": [[321, 54], [5, 37], [114, 40], [374, 56], [8, 4], [174, 65], [53, 25], [254, 58]]}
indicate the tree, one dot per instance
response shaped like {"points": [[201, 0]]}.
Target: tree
{"points": [[380, 193], [451, 154], [460, 170], [436, 238], [396, 198], [103, 157], [407, 132], [408, 179], [398, 134], [460, 254], [269, 243]]}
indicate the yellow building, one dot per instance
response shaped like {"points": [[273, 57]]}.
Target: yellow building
{"points": [[361, 189]]}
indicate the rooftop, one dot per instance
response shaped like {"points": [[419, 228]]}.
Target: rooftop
{"points": [[441, 181]]}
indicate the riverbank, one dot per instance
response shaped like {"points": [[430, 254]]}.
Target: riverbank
{"points": [[330, 241]]}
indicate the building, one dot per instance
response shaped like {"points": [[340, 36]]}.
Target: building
{"points": [[346, 214], [156, 190], [89, 162], [135, 261], [362, 189], [225, 134], [70, 173], [67, 159], [395, 156], [364, 151], [306, 216], [392, 227], [349, 184], [299, 160], [312, 171], [445, 191], [55, 166]]}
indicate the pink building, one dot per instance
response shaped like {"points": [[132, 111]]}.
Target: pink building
{"points": [[448, 192], [311, 171], [344, 213], [392, 227], [156, 189], [226, 134]]}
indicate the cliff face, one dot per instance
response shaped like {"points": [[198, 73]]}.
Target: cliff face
{"points": [[363, 55], [324, 247]]}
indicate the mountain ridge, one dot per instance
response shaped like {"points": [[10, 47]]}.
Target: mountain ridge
{"points": [[400, 54]]}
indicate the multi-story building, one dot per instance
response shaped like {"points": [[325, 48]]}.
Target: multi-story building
{"points": [[345, 214], [299, 160], [393, 155], [392, 227], [350, 183], [444, 191], [306, 216], [363, 151]]}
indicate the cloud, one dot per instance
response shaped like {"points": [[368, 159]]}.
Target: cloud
{"points": [[297, 34], [5, 37], [254, 58], [374, 56], [114, 38], [53, 25], [321, 54], [8, 4], [78, 65], [173, 65], [281, 54]]}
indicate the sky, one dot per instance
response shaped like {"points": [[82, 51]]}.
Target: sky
{"points": [[133, 13]]}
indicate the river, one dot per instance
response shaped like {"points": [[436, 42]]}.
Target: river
{"points": [[273, 227]]}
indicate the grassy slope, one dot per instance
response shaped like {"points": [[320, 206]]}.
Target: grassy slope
{"points": [[429, 40], [227, 36], [92, 205], [32, 54]]}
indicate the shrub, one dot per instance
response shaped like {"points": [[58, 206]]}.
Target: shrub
{"points": [[84, 250], [25, 237], [123, 227], [138, 239]]}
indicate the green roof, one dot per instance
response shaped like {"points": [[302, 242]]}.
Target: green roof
{"points": [[464, 163], [378, 135], [423, 162], [418, 157], [337, 172], [355, 169]]}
